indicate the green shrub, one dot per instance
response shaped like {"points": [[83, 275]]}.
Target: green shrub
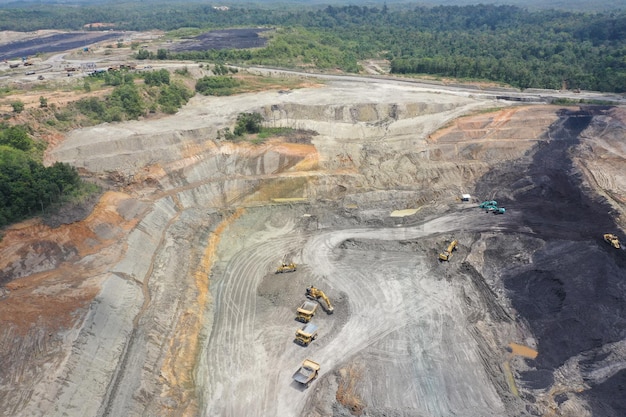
{"points": [[182, 71], [159, 77], [127, 98], [27, 187], [216, 86], [172, 97], [248, 123], [18, 106], [16, 137]]}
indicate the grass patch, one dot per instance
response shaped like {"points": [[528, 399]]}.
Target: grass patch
{"points": [[489, 110], [179, 33], [569, 101], [269, 132], [218, 85]]}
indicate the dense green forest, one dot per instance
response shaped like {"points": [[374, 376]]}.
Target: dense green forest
{"points": [[505, 44], [26, 186], [598, 5]]}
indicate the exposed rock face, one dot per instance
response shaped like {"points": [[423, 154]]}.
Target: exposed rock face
{"points": [[164, 302]]}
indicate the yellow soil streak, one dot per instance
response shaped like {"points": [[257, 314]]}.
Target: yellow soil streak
{"points": [[288, 200], [179, 363], [347, 390], [516, 350], [50, 298], [295, 149], [522, 350], [405, 212]]}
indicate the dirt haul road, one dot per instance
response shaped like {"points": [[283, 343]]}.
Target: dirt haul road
{"points": [[391, 305], [172, 306]]}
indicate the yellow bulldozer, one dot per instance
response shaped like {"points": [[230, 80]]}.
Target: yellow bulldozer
{"points": [[612, 239], [447, 254], [314, 294], [290, 267]]}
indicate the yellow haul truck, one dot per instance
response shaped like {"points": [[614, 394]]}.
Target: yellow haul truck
{"points": [[307, 372], [612, 240], [306, 311], [306, 335]]}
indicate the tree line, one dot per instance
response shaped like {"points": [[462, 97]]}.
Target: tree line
{"points": [[27, 187], [504, 44]]}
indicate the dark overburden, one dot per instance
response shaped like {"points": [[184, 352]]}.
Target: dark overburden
{"points": [[572, 294], [54, 43], [223, 39]]}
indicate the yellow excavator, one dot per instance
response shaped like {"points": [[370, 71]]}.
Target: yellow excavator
{"points": [[447, 254], [612, 239], [314, 294]]}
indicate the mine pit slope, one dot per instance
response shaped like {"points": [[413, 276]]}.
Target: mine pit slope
{"points": [[165, 301]]}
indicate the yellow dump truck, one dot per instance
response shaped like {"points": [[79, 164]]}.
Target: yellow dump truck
{"points": [[306, 311], [307, 372], [306, 335]]}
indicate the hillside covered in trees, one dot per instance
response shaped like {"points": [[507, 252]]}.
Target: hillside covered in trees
{"points": [[504, 44]]}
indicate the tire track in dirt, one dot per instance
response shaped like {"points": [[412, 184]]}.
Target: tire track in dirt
{"points": [[232, 354], [381, 307]]}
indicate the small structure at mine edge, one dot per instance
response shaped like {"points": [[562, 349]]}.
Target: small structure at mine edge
{"points": [[466, 197]]}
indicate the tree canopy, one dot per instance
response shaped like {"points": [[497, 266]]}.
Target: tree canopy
{"points": [[507, 44], [27, 187]]}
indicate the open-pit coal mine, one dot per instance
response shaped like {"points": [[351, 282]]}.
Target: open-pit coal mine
{"points": [[166, 299]]}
